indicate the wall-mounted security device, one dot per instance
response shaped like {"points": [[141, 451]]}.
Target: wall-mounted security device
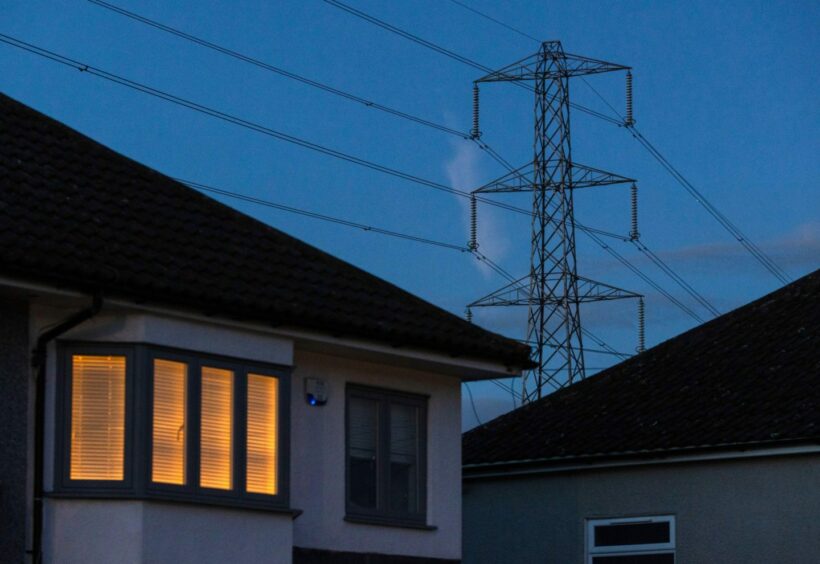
{"points": [[315, 391]]}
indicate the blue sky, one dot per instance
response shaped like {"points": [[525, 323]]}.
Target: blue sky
{"points": [[726, 90]]}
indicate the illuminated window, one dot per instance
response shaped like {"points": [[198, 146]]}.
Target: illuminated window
{"points": [[386, 450], [263, 414], [169, 431], [97, 417], [216, 458], [201, 429]]}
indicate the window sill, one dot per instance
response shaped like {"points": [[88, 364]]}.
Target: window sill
{"points": [[388, 522], [177, 499]]}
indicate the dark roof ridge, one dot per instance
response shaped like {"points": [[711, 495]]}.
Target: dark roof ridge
{"points": [[348, 300], [749, 375]]}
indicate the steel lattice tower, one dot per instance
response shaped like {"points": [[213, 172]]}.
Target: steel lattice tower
{"points": [[552, 291]]}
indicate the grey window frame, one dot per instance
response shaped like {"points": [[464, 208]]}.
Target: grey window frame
{"points": [[383, 515], [137, 482]]}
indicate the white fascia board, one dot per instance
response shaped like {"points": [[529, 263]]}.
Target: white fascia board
{"points": [[478, 472], [465, 368]]}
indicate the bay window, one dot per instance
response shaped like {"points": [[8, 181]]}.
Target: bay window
{"points": [[144, 421]]}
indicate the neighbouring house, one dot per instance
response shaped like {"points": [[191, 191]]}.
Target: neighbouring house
{"points": [[183, 383], [704, 449]]}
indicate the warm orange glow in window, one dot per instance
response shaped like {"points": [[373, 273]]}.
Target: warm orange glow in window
{"points": [[262, 433], [97, 417], [216, 468], [169, 429]]}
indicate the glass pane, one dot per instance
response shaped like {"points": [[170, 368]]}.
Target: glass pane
{"points": [[404, 469], [668, 558], [363, 422], [97, 417], [216, 441], [169, 432], [262, 429], [632, 533]]}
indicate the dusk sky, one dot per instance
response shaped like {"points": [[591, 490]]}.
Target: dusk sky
{"points": [[728, 91]]}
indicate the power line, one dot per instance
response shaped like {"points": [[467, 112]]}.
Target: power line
{"points": [[323, 217], [82, 67], [447, 53], [750, 246], [294, 140], [492, 19], [730, 227], [472, 402], [314, 83], [280, 71], [368, 228], [235, 120], [719, 216], [595, 234], [676, 277], [465, 60], [253, 126]]}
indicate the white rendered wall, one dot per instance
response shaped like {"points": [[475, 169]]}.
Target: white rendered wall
{"points": [[124, 532], [318, 457], [152, 531], [136, 532]]}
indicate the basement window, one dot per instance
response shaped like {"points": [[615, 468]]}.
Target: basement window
{"points": [[153, 422], [386, 443], [632, 540]]}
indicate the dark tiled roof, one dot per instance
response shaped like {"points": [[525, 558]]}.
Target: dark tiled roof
{"points": [[749, 376], [76, 213]]}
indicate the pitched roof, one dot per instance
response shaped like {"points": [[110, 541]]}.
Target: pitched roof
{"points": [[75, 213], [749, 376]]}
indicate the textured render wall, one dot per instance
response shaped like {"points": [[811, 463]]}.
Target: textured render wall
{"points": [[176, 534], [318, 472], [14, 386], [137, 532], [754, 510]]}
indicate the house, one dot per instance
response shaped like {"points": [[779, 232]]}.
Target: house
{"points": [[182, 383], [703, 449]]}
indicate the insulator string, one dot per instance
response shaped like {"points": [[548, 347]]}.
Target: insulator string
{"points": [[473, 244], [641, 325], [475, 132], [634, 235], [629, 118]]}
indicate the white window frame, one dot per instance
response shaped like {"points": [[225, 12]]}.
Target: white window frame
{"points": [[593, 551]]}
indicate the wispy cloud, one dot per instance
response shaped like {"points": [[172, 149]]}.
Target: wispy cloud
{"points": [[464, 172], [797, 249]]}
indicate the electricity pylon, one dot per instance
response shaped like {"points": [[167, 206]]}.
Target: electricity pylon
{"points": [[552, 291]]}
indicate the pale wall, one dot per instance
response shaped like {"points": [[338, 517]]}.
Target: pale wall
{"points": [[317, 457], [762, 511], [318, 454], [136, 532]]}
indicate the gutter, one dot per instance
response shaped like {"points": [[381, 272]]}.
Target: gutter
{"points": [[38, 362], [481, 369], [723, 452]]}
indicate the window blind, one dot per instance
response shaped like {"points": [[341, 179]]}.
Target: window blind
{"points": [[262, 434], [97, 449], [216, 441], [169, 430], [363, 428], [404, 446]]}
